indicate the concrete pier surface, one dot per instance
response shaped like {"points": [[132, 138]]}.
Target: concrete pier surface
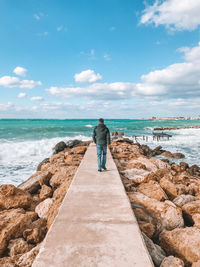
{"points": [[95, 225]]}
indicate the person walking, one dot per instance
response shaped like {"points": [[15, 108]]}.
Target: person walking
{"points": [[101, 137]]}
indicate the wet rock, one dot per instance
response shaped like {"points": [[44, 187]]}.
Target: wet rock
{"points": [[59, 147], [193, 170], [152, 189], [156, 252], [114, 133], [41, 163], [165, 214], [183, 243], [73, 143], [167, 154], [172, 261], [183, 199], [45, 192], [169, 188], [176, 168], [191, 208], [120, 134], [13, 197], [12, 224], [43, 208], [27, 259], [18, 246], [178, 155]]}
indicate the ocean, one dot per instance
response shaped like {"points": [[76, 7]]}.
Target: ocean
{"points": [[24, 143]]}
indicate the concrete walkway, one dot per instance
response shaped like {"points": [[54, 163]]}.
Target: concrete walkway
{"points": [[95, 225]]}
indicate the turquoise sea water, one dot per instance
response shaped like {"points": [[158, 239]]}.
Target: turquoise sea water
{"points": [[24, 143]]}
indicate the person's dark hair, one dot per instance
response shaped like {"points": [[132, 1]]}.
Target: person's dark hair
{"points": [[101, 120]]}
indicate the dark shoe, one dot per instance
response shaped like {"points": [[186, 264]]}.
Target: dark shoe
{"points": [[104, 168], [99, 170]]}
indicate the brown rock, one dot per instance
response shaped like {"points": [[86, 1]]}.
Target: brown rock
{"points": [[190, 209], [183, 243], [178, 155], [183, 199], [45, 177], [172, 261], [7, 262], [196, 220], [57, 179], [45, 192], [35, 235], [147, 228], [18, 246], [152, 189], [136, 175], [26, 260], [43, 208], [184, 166], [79, 150], [160, 164], [169, 188], [175, 168], [156, 252], [135, 165], [167, 154], [13, 197], [12, 224], [31, 185], [196, 264], [165, 214]]}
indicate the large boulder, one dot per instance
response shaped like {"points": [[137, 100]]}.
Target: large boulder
{"points": [[31, 185], [45, 192], [7, 262], [73, 143], [152, 189], [183, 199], [13, 197], [12, 224], [183, 243], [43, 208], [59, 147], [165, 214], [156, 252], [190, 209], [45, 177], [169, 187], [136, 175], [42, 163]]}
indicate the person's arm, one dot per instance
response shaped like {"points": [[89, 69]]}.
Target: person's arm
{"points": [[94, 135], [108, 137]]}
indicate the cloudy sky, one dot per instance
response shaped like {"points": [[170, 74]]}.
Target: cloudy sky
{"points": [[91, 58]]}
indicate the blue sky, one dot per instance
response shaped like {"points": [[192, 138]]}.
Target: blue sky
{"points": [[91, 58]]}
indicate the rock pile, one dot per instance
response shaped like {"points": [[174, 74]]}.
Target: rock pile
{"points": [[27, 211], [165, 198]]}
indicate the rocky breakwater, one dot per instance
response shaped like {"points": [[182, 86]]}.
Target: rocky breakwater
{"points": [[27, 211], [165, 198]]}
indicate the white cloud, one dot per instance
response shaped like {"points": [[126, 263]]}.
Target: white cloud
{"points": [[5, 107], [107, 57], [112, 28], [87, 76], [21, 95], [37, 98], [38, 16], [98, 91], [173, 14], [20, 71], [175, 81], [11, 82]]}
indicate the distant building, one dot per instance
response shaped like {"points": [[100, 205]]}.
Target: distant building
{"points": [[152, 118]]}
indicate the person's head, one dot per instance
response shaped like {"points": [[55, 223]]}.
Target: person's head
{"points": [[101, 121]]}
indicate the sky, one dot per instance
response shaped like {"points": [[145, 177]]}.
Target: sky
{"points": [[99, 58]]}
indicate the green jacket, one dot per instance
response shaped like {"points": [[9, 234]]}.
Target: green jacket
{"points": [[101, 135]]}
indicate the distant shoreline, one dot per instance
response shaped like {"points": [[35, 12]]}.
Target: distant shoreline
{"points": [[176, 128]]}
